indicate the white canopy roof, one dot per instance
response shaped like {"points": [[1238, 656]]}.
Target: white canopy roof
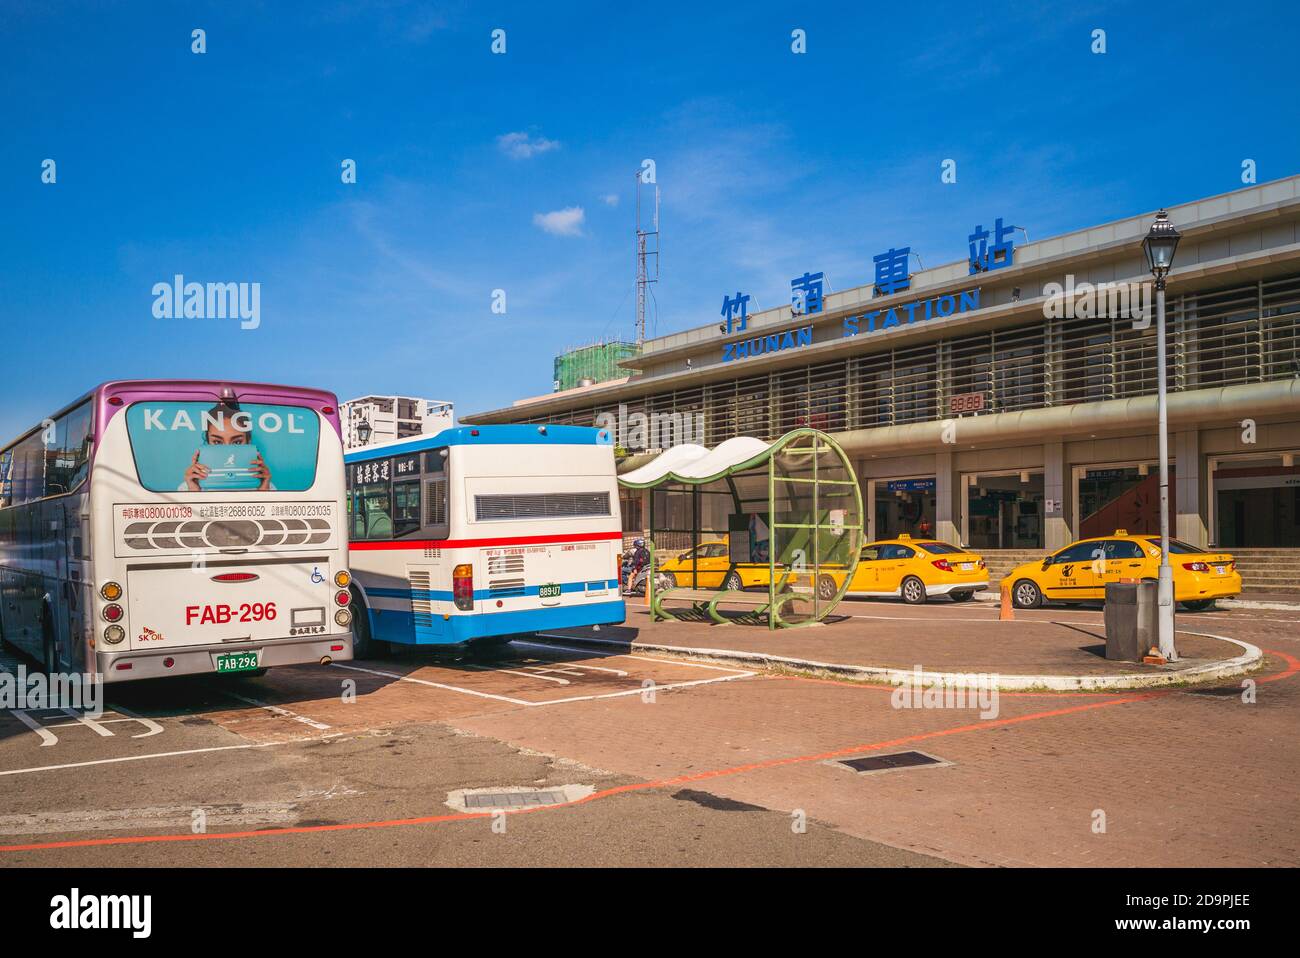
{"points": [[691, 463]]}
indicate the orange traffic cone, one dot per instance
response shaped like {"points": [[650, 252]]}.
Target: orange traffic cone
{"points": [[1007, 612]]}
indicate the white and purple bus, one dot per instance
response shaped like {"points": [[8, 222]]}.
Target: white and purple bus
{"points": [[158, 527], [478, 534]]}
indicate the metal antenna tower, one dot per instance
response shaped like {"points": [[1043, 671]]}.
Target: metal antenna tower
{"points": [[647, 246]]}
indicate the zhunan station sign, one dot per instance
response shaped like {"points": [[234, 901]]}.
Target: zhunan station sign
{"points": [[918, 311]]}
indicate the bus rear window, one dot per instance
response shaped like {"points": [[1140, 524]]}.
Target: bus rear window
{"points": [[215, 447]]}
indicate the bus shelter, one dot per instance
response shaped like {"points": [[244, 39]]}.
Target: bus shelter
{"points": [[775, 527]]}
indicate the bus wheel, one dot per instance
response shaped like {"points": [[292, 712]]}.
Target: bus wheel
{"points": [[363, 645], [489, 647], [913, 590]]}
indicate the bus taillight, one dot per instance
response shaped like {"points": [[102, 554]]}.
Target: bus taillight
{"points": [[114, 634], [462, 587], [110, 591], [343, 597], [112, 612]]}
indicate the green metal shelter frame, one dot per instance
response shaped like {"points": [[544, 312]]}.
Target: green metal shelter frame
{"points": [[810, 505]]}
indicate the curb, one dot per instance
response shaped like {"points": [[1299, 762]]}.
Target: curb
{"points": [[1271, 605], [1237, 665]]}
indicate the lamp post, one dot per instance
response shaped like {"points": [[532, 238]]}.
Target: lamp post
{"points": [[1160, 244], [364, 431]]}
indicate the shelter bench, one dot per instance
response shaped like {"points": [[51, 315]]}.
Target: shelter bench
{"points": [[706, 602]]}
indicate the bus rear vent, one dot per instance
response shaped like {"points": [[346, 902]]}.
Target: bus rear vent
{"points": [[544, 505]]}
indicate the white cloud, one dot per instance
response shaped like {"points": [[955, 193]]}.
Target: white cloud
{"points": [[522, 146], [565, 222], [610, 199]]}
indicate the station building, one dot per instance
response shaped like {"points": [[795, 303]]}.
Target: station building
{"points": [[1008, 402]]}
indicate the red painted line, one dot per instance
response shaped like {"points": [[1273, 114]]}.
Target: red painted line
{"points": [[1292, 666], [478, 543], [605, 793]]}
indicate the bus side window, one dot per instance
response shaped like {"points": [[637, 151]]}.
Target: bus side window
{"points": [[436, 507], [371, 517], [406, 507]]}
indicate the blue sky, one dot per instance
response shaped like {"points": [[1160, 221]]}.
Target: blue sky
{"points": [[225, 167]]}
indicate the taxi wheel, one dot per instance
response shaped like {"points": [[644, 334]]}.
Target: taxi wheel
{"points": [[913, 590], [1026, 595], [961, 595], [1199, 605], [665, 580], [733, 581], [826, 588]]}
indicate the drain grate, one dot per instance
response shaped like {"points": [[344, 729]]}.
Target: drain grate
{"points": [[892, 762], [513, 799]]}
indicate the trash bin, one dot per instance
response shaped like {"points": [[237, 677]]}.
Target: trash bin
{"points": [[1131, 620]]}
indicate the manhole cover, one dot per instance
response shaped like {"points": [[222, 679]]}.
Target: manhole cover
{"points": [[892, 762], [513, 798]]}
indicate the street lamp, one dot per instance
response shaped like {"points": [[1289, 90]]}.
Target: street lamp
{"points": [[364, 431], [1160, 244]]}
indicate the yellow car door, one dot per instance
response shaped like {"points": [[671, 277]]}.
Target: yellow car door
{"points": [[864, 576], [714, 563], [1123, 559], [891, 566], [1069, 575]]}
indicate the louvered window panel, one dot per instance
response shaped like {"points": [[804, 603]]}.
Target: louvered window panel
{"points": [[421, 604], [546, 505]]}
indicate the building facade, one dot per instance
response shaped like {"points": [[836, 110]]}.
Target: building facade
{"points": [[389, 418], [1009, 402]]}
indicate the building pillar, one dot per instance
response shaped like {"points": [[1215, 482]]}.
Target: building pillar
{"points": [[1191, 523], [946, 488], [1058, 530]]}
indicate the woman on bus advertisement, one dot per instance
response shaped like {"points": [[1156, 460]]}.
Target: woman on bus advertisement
{"points": [[194, 447]]}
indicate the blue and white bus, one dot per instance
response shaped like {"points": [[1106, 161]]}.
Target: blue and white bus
{"points": [[481, 534]]}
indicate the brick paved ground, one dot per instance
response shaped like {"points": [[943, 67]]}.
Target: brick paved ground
{"points": [[1182, 777], [941, 638]]}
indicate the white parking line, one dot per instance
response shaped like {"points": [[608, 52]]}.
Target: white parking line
{"points": [[142, 758], [277, 710], [734, 674]]}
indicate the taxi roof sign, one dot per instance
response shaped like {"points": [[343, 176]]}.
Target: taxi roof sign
{"points": [[1121, 532]]}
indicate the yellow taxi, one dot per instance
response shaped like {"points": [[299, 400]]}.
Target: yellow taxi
{"points": [[709, 566], [915, 569], [891, 568], [1081, 570]]}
